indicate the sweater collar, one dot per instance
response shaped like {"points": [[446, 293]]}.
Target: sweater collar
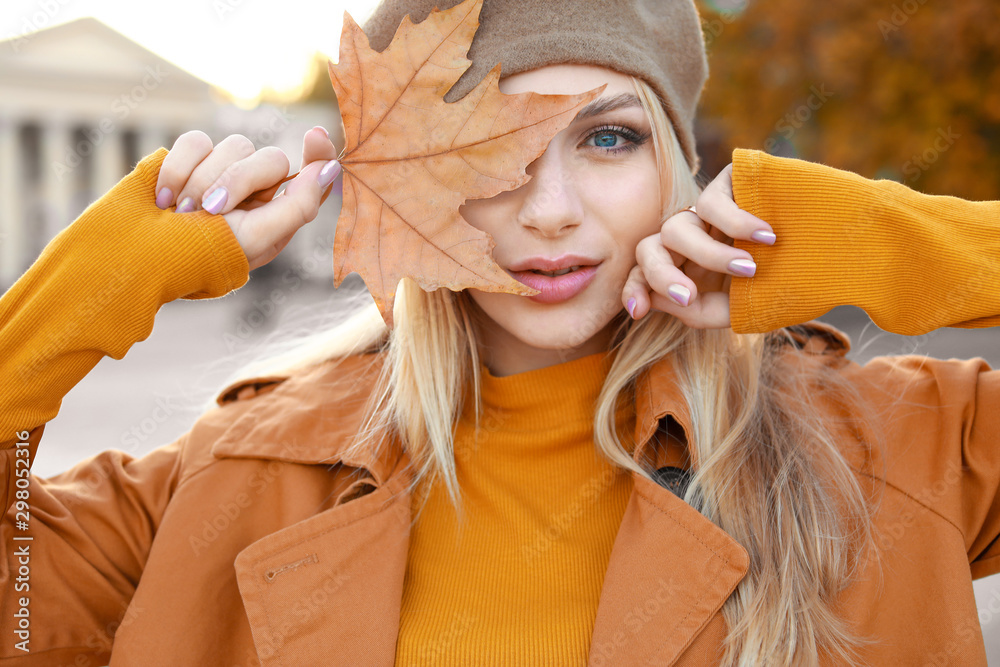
{"points": [[530, 396]]}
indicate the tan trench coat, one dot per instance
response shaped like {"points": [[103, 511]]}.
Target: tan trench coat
{"points": [[251, 540]]}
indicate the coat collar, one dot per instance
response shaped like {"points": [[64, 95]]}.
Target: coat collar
{"points": [[311, 416], [658, 394], [308, 418]]}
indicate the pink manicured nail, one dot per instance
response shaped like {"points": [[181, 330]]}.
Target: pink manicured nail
{"points": [[630, 307], [680, 294], [186, 205], [164, 197], [329, 173], [320, 127], [763, 236], [743, 267], [214, 202]]}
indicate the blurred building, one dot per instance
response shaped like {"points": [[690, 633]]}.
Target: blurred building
{"points": [[81, 104]]}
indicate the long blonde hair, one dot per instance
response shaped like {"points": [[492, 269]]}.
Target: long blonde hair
{"points": [[769, 471]]}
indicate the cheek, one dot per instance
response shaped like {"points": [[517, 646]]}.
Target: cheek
{"points": [[487, 214], [472, 214], [633, 209], [643, 197]]}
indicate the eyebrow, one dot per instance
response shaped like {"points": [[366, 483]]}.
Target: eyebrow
{"points": [[605, 104]]}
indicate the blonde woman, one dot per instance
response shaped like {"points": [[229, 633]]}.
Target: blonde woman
{"points": [[656, 460]]}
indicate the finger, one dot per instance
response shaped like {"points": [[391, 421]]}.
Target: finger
{"points": [[685, 234], [717, 206], [710, 311], [636, 294], [316, 145], [185, 155], [262, 228], [260, 171], [661, 274], [231, 149], [271, 252]]}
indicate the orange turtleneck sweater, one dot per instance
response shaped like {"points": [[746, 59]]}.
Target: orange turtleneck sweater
{"points": [[519, 581]]}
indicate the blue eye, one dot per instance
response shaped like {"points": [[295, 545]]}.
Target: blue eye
{"points": [[603, 139], [606, 139]]}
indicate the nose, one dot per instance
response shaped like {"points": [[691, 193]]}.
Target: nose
{"points": [[551, 206]]}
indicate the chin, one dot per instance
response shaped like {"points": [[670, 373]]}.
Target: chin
{"points": [[562, 341], [573, 335], [510, 317], [558, 333]]}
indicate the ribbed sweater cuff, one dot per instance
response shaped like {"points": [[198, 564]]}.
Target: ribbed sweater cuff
{"points": [[95, 290], [196, 255], [913, 262]]}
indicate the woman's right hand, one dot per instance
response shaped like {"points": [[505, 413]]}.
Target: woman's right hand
{"points": [[687, 267], [238, 182]]}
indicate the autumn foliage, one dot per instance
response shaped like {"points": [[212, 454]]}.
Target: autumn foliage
{"points": [[902, 89]]}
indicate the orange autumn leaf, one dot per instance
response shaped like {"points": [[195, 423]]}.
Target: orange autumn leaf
{"points": [[412, 159]]}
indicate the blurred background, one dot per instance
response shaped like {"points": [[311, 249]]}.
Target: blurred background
{"points": [[907, 90]]}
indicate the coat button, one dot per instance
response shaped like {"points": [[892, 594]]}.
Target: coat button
{"points": [[673, 479]]}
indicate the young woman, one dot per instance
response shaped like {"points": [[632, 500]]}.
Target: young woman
{"points": [[653, 461]]}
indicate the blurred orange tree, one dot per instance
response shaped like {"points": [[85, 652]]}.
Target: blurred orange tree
{"points": [[901, 89]]}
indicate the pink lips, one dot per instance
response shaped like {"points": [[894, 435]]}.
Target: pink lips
{"points": [[554, 289]]}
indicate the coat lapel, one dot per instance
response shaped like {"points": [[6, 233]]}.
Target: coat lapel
{"points": [[670, 572], [328, 590], [671, 569]]}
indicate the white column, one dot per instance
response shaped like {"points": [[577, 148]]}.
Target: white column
{"points": [[61, 162], [150, 138], [109, 161], [13, 253]]}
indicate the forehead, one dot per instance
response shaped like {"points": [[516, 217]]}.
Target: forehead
{"points": [[567, 80]]}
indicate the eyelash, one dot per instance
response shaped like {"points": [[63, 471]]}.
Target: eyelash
{"points": [[626, 133]]}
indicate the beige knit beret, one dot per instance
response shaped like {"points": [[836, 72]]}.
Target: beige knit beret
{"points": [[659, 41]]}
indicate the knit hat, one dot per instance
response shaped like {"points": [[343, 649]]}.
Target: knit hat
{"points": [[658, 41]]}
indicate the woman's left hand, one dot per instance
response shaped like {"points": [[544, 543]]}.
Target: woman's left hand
{"points": [[686, 269]]}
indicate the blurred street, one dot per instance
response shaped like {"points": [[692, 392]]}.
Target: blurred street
{"points": [[155, 393]]}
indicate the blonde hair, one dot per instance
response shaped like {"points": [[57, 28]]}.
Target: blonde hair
{"points": [[769, 471]]}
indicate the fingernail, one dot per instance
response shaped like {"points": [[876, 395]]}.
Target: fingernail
{"points": [[630, 307], [164, 197], [214, 202], [320, 127], [764, 236], [680, 294], [186, 205], [329, 173], [743, 267]]}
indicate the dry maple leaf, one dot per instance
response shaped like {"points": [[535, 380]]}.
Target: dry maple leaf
{"points": [[412, 159]]}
